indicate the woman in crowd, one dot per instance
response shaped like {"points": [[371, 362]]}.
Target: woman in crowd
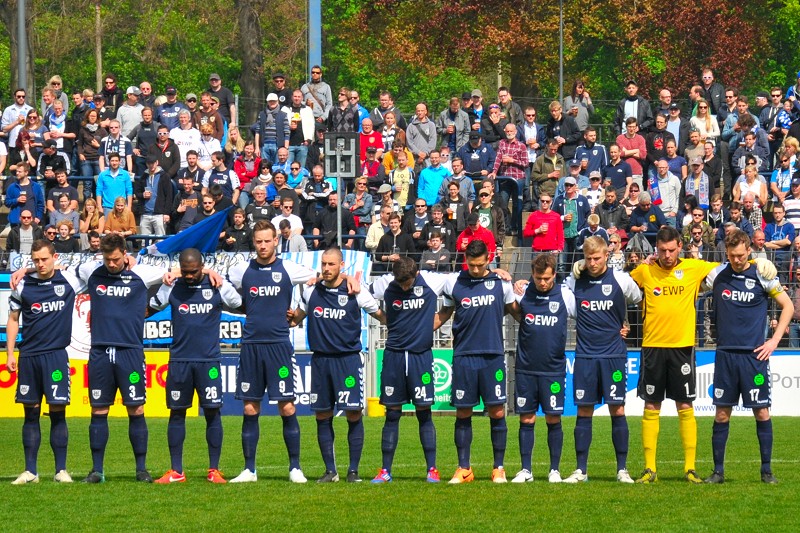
{"points": [[65, 243], [89, 137], [120, 220], [234, 146], [705, 123], [246, 166], [90, 219]]}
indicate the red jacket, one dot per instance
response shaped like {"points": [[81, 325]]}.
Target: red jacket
{"points": [[246, 177], [481, 234], [553, 239]]}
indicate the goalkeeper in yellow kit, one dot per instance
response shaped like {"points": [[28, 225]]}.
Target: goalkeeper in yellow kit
{"points": [[670, 286]]}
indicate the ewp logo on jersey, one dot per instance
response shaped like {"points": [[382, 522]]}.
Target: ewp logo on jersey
{"points": [[113, 291], [737, 296], [46, 307]]}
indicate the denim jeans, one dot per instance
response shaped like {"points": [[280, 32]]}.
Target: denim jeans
{"points": [[269, 151], [298, 153], [89, 172]]}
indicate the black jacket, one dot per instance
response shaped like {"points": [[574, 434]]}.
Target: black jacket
{"points": [[12, 241], [169, 159], [644, 116], [164, 194], [568, 129]]}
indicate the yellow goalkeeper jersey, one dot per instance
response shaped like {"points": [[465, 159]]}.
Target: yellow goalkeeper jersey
{"points": [[669, 301]]}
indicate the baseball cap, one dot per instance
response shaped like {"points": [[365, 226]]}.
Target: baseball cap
{"points": [[569, 180], [697, 160], [631, 81], [474, 135], [133, 89], [152, 159], [319, 126], [795, 182], [170, 89], [595, 174], [383, 189], [673, 105], [466, 95], [371, 150], [50, 143], [476, 92], [214, 76], [190, 96], [279, 74], [762, 94], [99, 96], [272, 97], [574, 163], [473, 218]]}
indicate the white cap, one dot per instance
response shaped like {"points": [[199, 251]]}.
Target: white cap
{"points": [[272, 97]]}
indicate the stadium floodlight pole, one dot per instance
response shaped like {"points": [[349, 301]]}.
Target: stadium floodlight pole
{"points": [[22, 46], [314, 33], [560, 50]]}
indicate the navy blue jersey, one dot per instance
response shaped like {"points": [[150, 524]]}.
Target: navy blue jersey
{"points": [[409, 314], [118, 302], [227, 179], [196, 314], [543, 330], [601, 310], [267, 294], [334, 318], [46, 311], [741, 302], [480, 306]]}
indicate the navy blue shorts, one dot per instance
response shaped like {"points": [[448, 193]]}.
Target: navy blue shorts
{"points": [[739, 373], [478, 376], [266, 367], [668, 371], [337, 381], [600, 378], [533, 391], [185, 377], [407, 377], [114, 368], [44, 374]]}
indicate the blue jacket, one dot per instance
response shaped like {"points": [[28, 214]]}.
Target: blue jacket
{"points": [[654, 218], [483, 160], [12, 202], [430, 180], [109, 188], [583, 209]]}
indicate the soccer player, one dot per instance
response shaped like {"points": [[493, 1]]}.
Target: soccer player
{"points": [[194, 358], [337, 372], [44, 300], [407, 374], [540, 366], [601, 357], [741, 297], [670, 286], [266, 359], [116, 359], [479, 367]]}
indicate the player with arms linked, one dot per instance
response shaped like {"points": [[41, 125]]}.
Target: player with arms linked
{"points": [[601, 357], [479, 299], [337, 371], [540, 368], [741, 369], [194, 358], [44, 300]]}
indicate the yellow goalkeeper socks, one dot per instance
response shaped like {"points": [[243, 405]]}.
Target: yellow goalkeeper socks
{"points": [[687, 426], [650, 428]]}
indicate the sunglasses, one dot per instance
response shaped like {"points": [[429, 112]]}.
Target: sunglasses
{"points": [[50, 233], [702, 107], [25, 218], [785, 160], [420, 205], [295, 168], [533, 115], [316, 72], [777, 95], [208, 203], [287, 206], [545, 201], [484, 195], [19, 96], [193, 100], [697, 233]]}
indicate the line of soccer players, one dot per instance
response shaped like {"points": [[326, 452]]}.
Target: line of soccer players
{"points": [[477, 299]]}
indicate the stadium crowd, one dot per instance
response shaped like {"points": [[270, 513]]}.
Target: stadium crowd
{"points": [[174, 161]]}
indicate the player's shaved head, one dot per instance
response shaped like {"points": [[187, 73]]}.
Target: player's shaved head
{"points": [[335, 252], [190, 256]]}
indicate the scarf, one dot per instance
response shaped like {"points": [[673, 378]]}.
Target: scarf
{"points": [[655, 193], [700, 191]]}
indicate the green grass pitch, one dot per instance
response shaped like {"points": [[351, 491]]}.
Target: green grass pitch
{"points": [[408, 504]]}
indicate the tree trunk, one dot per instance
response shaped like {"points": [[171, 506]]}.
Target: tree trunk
{"points": [[8, 14], [252, 78]]}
